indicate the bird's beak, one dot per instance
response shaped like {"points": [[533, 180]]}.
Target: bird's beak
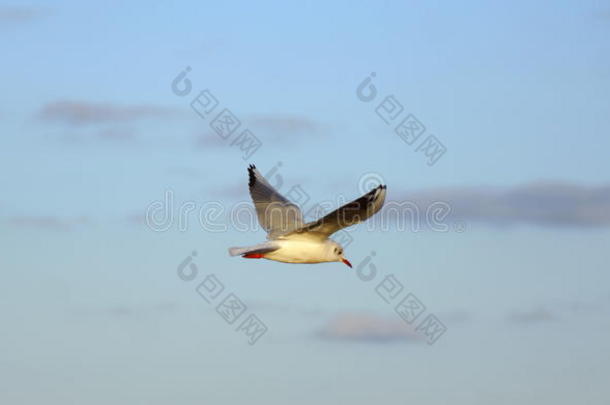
{"points": [[346, 262]]}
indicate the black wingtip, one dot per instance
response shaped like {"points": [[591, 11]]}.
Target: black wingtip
{"points": [[379, 189], [251, 175]]}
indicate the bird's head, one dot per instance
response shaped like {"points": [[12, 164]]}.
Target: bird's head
{"points": [[336, 251]]}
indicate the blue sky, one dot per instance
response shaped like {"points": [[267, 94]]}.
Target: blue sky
{"points": [[92, 134]]}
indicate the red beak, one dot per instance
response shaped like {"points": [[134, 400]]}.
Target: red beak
{"points": [[347, 262]]}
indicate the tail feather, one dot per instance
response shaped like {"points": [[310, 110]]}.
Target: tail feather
{"points": [[258, 249], [238, 251]]}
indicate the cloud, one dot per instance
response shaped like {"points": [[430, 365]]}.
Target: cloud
{"points": [[275, 129], [120, 311], [542, 203], [266, 127], [47, 222], [283, 124], [19, 14], [368, 329], [116, 134], [83, 113], [456, 317], [137, 220], [602, 14], [235, 192], [128, 311], [283, 307], [538, 315], [211, 140]]}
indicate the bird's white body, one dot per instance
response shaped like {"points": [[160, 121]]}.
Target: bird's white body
{"points": [[302, 250], [294, 249]]}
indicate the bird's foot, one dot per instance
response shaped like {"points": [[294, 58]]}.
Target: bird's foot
{"points": [[253, 256]]}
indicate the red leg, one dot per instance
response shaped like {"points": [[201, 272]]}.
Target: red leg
{"points": [[253, 256]]}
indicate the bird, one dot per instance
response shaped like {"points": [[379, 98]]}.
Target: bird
{"points": [[289, 238]]}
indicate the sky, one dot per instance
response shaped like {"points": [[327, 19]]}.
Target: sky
{"points": [[119, 201]]}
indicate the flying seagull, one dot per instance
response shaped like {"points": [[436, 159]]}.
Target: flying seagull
{"points": [[289, 239]]}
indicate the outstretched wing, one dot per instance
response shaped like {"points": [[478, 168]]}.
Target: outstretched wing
{"points": [[350, 214], [275, 213]]}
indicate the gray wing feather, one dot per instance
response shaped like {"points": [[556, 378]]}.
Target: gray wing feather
{"points": [[350, 214], [276, 214]]}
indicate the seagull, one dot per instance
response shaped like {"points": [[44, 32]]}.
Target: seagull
{"points": [[289, 239]]}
